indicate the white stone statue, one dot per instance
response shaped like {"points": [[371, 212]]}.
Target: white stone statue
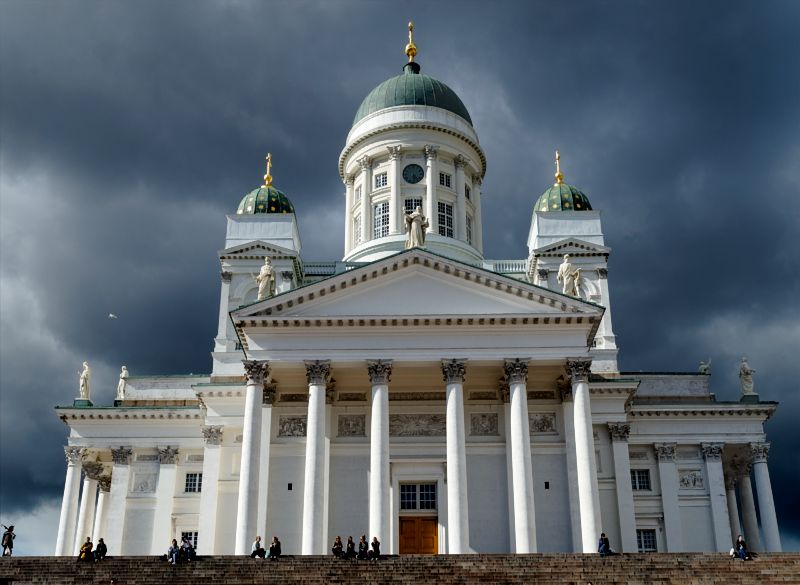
{"points": [[704, 367], [416, 224], [569, 277], [746, 377], [266, 280], [85, 381], [123, 380]]}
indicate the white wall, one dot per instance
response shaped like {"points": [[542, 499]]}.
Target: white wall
{"points": [[488, 503]]}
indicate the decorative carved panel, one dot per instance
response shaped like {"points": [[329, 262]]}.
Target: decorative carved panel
{"points": [[542, 422], [417, 425], [352, 397], [483, 424], [292, 426], [352, 425], [691, 479]]}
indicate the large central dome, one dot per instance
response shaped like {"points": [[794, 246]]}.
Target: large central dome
{"points": [[412, 88]]}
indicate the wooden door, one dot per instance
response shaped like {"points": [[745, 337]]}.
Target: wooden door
{"points": [[419, 535]]}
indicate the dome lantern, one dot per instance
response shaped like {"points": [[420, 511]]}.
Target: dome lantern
{"points": [[265, 199], [561, 196]]}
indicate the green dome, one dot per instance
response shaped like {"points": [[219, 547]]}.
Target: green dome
{"points": [[412, 88], [562, 197], [265, 200]]}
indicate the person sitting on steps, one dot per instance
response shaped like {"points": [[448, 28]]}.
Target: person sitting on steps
{"points": [[274, 549], [363, 548], [100, 551], [258, 549], [604, 546], [337, 548], [740, 549], [350, 553], [173, 552], [85, 553], [375, 553]]}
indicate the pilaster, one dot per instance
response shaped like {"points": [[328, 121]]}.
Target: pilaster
{"points": [[712, 453], [209, 494], [622, 478], [366, 191], [165, 498], [348, 214], [117, 508], [394, 189], [668, 476], [461, 206], [431, 182]]}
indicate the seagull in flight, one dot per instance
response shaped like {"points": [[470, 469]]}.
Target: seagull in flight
{"points": [[112, 316]]}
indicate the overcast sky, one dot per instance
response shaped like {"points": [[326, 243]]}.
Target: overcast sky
{"points": [[129, 129]]}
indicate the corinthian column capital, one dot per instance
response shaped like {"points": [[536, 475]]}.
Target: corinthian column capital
{"points": [[516, 371], [318, 372], [105, 483], [93, 469], [256, 371], [121, 456], [578, 369], [431, 152], [365, 163], [665, 451], [712, 451], [380, 371], [460, 161], [74, 455], [619, 431], [394, 151], [759, 452], [454, 371], [168, 455], [212, 434]]}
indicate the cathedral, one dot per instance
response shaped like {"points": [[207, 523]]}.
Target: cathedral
{"points": [[414, 390]]}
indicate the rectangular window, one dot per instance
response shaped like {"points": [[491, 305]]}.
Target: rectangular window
{"points": [[467, 192], [445, 220], [357, 230], [445, 180], [640, 480], [469, 229], [408, 496], [381, 180], [427, 496], [409, 205], [380, 220], [646, 540], [358, 193], [194, 483], [192, 536]]}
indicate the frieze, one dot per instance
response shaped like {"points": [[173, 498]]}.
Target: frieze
{"points": [[483, 424], [407, 396], [691, 479], [540, 395], [687, 453], [294, 397], [639, 455], [352, 397], [147, 457], [195, 458], [542, 422], [417, 425], [292, 426], [352, 425], [483, 395]]}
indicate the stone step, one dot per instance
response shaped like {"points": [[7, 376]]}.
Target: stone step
{"points": [[555, 569]]}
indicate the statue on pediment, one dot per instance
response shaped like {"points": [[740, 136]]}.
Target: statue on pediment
{"points": [[416, 224], [123, 380], [704, 368], [85, 381], [569, 277], [746, 377], [266, 280]]}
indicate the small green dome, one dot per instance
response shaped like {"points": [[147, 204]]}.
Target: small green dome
{"points": [[562, 197], [412, 88], [265, 200]]}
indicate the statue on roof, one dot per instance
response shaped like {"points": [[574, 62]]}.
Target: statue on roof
{"points": [[266, 280], [85, 381], [123, 380], [569, 277], [704, 368], [416, 224], [746, 377]]}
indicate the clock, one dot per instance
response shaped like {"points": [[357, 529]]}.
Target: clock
{"points": [[413, 174]]}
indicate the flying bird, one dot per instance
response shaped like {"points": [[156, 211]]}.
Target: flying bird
{"points": [[112, 316]]}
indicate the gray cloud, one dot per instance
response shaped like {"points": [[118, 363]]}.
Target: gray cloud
{"points": [[129, 130]]}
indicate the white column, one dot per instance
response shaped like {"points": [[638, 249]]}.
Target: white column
{"points": [[117, 507], [568, 410], [209, 493], [348, 215], [733, 510], [103, 498], [222, 318], [766, 504], [313, 542], [668, 475], [69, 502], [749, 519], [431, 181], [366, 190], [622, 476], [712, 453], [504, 392], [477, 221], [457, 506], [521, 463], [165, 497], [270, 394], [588, 493], [91, 473], [461, 205], [380, 372], [247, 508], [394, 190]]}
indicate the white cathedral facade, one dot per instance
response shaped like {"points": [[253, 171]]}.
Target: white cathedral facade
{"points": [[423, 394]]}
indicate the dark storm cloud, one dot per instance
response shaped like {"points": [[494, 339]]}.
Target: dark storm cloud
{"points": [[129, 129]]}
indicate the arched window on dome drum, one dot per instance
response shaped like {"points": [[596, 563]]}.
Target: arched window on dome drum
{"points": [[446, 220], [380, 221], [356, 230], [409, 205]]}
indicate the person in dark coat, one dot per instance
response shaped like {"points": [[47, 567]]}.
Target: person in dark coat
{"points": [[363, 548], [8, 540], [741, 548], [100, 551], [350, 553], [187, 550], [604, 546], [274, 549], [173, 552], [338, 548], [375, 553]]}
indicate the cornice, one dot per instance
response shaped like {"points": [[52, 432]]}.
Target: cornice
{"points": [[705, 410]]}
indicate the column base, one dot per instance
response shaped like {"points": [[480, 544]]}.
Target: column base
{"points": [[750, 399], [82, 403]]}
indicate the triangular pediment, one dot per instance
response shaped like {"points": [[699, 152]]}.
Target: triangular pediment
{"points": [[574, 247], [417, 283], [257, 248]]}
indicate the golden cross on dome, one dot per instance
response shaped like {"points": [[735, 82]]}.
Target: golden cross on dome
{"points": [[411, 48], [268, 177], [559, 176]]}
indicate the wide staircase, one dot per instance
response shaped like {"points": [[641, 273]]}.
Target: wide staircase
{"points": [[481, 569]]}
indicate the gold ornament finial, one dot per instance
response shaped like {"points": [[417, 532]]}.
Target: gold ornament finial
{"points": [[559, 176], [268, 177], [411, 48]]}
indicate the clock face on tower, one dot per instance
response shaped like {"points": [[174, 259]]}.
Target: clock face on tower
{"points": [[413, 174]]}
